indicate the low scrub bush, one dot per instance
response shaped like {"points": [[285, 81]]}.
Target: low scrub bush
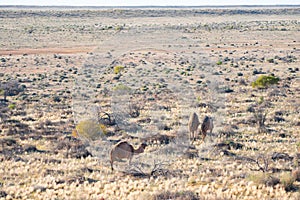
{"points": [[265, 81], [184, 195], [89, 130], [118, 69], [287, 180], [12, 106], [219, 62], [262, 178], [122, 88]]}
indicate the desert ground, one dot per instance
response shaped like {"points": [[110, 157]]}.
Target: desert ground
{"points": [[76, 81]]}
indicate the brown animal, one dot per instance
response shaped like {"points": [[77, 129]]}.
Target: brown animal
{"points": [[124, 150], [207, 125], [193, 125]]}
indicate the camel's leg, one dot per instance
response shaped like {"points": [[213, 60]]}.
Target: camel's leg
{"points": [[191, 136], [203, 136], [111, 165], [129, 162]]}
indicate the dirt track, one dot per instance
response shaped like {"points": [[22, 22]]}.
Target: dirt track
{"points": [[70, 50]]}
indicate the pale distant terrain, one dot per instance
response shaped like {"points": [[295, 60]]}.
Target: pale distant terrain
{"points": [[75, 81]]}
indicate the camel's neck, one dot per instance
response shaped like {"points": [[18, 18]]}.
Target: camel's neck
{"points": [[139, 150]]}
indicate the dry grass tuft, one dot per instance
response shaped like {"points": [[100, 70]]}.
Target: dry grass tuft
{"points": [[261, 178], [287, 180], [296, 174], [183, 195]]}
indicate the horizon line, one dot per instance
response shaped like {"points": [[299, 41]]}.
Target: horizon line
{"points": [[157, 6]]}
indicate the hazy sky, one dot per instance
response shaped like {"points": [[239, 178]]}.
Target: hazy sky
{"points": [[145, 2]]}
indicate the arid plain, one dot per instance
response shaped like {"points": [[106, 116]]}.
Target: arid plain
{"points": [[74, 81]]}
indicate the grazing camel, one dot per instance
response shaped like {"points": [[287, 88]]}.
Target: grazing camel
{"points": [[124, 150], [193, 125], [207, 125]]}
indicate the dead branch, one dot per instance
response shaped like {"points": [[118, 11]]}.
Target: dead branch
{"points": [[261, 159], [106, 119]]}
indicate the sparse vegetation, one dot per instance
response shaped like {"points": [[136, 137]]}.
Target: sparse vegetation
{"points": [[260, 115], [135, 109], [53, 72], [118, 69], [12, 106], [219, 62], [89, 130], [262, 178], [287, 180], [122, 87], [10, 88], [181, 195], [265, 81]]}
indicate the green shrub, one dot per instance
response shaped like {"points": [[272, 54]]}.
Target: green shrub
{"points": [[12, 106], [260, 100], [118, 69], [122, 87], [89, 129], [119, 28], [103, 129], [219, 62], [265, 81]]}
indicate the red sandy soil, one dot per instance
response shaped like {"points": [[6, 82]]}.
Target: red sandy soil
{"points": [[64, 50]]}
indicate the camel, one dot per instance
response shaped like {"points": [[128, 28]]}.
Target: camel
{"points": [[193, 125], [124, 150], [207, 125]]}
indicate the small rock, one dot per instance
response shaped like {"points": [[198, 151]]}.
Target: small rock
{"points": [[2, 194], [228, 153], [30, 148], [282, 135], [39, 188], [284, 156]]}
